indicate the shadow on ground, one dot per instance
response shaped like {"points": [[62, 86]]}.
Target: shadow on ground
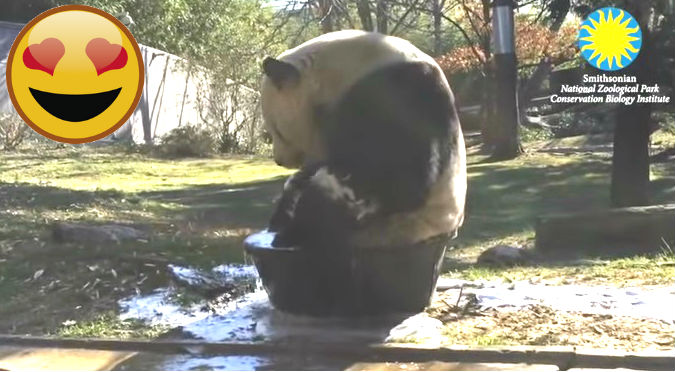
{"points": [[247, 205], [44, 283], [503, 202]]}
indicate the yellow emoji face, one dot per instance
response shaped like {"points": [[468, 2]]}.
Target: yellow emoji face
{"points": [[75, 74]]}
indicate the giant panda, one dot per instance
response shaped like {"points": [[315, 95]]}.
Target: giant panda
{"points": [[370, 122]]}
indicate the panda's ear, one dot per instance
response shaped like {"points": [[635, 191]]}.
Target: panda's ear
{"points": [[281, 73]]}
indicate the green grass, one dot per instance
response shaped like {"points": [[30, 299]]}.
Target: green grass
{"points": [[199, 211], [631, 271], [108, 325], [110, 168], [490, 340], [453, 335], [105, 184], [505, 198]]}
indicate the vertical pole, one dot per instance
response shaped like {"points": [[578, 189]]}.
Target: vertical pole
{"points": [[144, 103], [630, 157], [507, 144]]}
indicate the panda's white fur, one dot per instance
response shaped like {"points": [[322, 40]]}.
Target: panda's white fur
{"points": [[329, 66], [336, 189], [442, 213]]}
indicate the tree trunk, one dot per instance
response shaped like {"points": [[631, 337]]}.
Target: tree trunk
{"points": [[630, 160], [382, 16], [363, 9], [489, 125], [507, 144], [488, 118], [507, 132], [326, 16], [544, 68], [530, 87], [436, 11]]}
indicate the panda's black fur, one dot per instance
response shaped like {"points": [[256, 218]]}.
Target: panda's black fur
{"points": [[388, 139]]}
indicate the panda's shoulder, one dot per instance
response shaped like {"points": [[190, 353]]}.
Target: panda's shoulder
{"points": [[369, 48], [335, 62]]}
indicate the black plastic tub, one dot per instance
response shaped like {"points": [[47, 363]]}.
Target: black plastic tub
{"points": [[348, 282]]}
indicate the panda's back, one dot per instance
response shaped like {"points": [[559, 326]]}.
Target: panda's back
{"points": [[338, 60], [392, 170]]}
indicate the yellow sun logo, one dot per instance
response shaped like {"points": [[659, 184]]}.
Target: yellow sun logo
{"points": [[610, 39]]}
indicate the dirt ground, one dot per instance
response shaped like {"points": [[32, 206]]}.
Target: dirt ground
{"points": [[543, 326], [199, 210]]}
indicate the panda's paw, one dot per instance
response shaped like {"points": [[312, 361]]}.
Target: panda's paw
{"points": [[337, 188], [284, 212], [282, 239], [300, 179]]}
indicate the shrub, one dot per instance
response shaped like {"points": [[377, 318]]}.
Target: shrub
{"points": [[13, 131], [186, 141], [534, 42], [535, 134], [591, 121], [666, 121]]}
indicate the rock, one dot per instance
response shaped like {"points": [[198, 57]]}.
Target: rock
{"points": [[420, 328], [504, 255], [83, 233], [625, 231]]}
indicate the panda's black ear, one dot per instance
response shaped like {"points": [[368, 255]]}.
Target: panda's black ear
{"points": [[281, 73]]}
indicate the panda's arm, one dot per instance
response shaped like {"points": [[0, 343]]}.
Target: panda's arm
{"points": [[287, 203], [325, 210]]}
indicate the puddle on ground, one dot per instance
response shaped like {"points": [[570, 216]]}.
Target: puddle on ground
{"points": [[222, 274], [641, 303], [188, 362], [191, 363], [251, 318]]}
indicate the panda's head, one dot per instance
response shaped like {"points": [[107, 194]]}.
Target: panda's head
{"points": [[303, 83], [288, 112]]}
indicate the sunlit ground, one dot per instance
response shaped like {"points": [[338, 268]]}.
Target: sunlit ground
{"points": [[199, 210]]}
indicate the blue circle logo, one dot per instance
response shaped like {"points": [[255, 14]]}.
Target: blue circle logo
{"points": [[610, 39]]}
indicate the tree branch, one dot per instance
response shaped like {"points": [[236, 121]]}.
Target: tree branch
{"points": [[403, 17]]}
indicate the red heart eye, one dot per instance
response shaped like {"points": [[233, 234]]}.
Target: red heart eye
{"points": [[106, 56], [44, 56]]}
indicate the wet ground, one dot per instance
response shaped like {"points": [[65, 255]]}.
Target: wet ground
{"points": [[226, 304], [459, 304], [643, 303], [200, 215], [631, 319]]}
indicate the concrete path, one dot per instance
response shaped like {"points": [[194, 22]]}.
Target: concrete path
{"points": [[51, 359]]}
